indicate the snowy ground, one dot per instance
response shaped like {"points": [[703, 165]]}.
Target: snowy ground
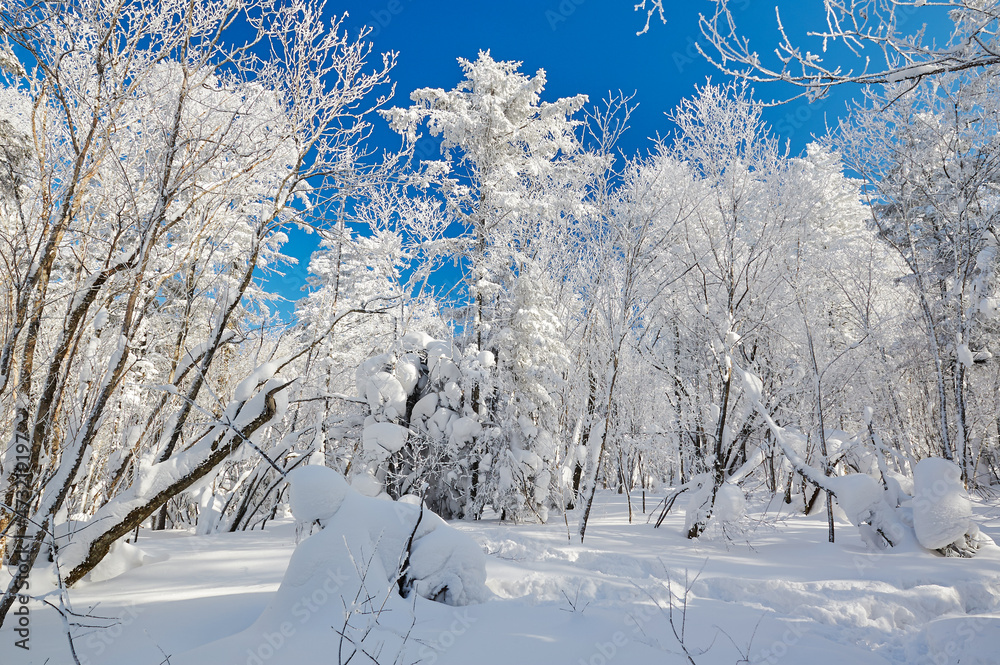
{"points": [[780, 594]]}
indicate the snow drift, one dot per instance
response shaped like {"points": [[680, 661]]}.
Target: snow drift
{"points": [[942, 512], [341, 592]]}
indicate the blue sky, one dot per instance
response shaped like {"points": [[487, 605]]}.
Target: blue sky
{"points": [[585, 46]]}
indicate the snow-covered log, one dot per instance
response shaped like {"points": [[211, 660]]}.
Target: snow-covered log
{"points": [[158, 482]]}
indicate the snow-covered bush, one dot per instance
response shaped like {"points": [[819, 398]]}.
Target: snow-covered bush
{"points": [[422, 430], [727, 507], [410, 542], [350, 577], [462, 429], [942, 513]]}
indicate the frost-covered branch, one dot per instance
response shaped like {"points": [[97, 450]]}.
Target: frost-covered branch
{"points": [[160, 481], [875, 34]]}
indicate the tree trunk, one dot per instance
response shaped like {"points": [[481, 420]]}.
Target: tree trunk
{"points": [[113, 529], [719, 463]]}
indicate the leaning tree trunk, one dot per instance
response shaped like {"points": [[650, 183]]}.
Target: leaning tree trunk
{"points": [[124, 513]]}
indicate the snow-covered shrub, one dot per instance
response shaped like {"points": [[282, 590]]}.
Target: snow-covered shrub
{"points": [[942, 513], [465, 429], [422, 430], [937, 517], [442, 563], [727, 508], [345, 579]]}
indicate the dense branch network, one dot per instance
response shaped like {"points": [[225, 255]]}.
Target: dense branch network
{"points": [[882, 36]]}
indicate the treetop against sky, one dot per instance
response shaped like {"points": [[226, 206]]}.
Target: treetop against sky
{"points": [[585, 47]]}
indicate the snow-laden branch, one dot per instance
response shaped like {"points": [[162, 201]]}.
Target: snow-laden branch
{"points": [[874, 33], [859, 495], [156, 482]]}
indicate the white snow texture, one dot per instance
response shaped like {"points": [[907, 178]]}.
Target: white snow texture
{"points": [[356, 556], [942, 513]]}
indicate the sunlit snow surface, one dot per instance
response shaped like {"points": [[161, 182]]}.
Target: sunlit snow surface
{"points": [[788, 597]]}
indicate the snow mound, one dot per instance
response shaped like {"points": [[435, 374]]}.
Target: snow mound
{"points": [[415, 341], [424, 408], [122, 558], [449, 567], [857, 494], [366, 484], [383, 439], [316, 493], [345, 579], [408, 372], [969, 640], [445, 564], [942, 512], [385, 394]]}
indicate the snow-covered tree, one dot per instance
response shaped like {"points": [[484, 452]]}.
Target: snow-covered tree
{"points": [[511, 165], [769, 245], [734, 241], [513, 176], [532, 361], [887, 40], [930, 159], [170, 155]]}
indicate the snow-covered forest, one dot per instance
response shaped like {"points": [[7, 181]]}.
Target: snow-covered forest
{"points": [[530, 371]]}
